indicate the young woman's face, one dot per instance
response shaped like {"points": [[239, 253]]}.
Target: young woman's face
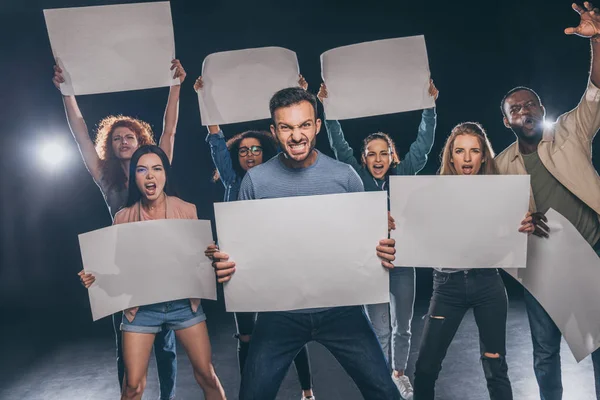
{"points": [[250, 153], [377, 158], [467, 155], [150, 176], [124, 143]]}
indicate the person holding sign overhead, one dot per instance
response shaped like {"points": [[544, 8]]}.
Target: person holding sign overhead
{"points": [[250, 149], [107, 159], [379, 159], [150, 197]]}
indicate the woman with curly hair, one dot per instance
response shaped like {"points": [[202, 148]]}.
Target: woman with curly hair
{"points": [[378, 160], [107, 160], [250, 148], [467, 152]]}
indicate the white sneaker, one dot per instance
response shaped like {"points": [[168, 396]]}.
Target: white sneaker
{"points": [[404, 387], [308, 398]]}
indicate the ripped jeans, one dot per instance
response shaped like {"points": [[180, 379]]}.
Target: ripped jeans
{"points": [[453, 294]]}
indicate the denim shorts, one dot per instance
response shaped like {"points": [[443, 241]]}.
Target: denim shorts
{"points": [[174, 315]]}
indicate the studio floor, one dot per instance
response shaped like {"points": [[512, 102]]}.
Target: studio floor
{"points": [[54, 355]]}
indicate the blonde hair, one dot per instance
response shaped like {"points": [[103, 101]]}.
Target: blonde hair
{"points": [[488, 166]]}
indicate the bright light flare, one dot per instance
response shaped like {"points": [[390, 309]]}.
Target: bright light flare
{"points": [[53, 154], [548, 123]]}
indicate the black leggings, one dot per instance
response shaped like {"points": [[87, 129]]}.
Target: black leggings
{"points": [[245, 326]]}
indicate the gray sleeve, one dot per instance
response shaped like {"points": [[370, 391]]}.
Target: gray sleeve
{"points": [[247, 188], [355, 184]]}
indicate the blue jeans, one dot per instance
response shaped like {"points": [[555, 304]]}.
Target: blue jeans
{"points": [[166, 358], [245, 325], [546, 352], [391, 321], [344, 331]]}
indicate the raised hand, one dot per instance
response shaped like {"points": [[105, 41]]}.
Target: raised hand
{"points": [[589, 25], [322, 92], [58, 78], [433, 91], [179, 71], [302, 82], [86, 279], [198, 85]]}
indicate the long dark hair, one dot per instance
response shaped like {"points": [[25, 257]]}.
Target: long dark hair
{"points": [[267, 142], [134, 192]]}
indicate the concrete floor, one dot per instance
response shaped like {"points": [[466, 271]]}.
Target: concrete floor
{"points": [[58, 355]]}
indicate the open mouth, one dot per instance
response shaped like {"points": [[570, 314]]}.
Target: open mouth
{"points": [[250, 163], [467, 169], [150, 188], [529, 122], [298, 148], [378, 168]]}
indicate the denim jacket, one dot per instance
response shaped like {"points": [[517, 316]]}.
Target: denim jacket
{"points": [[222, 160], [413, 161]]}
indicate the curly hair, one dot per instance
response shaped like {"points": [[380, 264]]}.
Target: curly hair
{"points": [[474, 129], [110, 164], [391, 145], [267, 142]]}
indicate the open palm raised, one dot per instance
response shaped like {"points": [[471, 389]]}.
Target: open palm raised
{"points": [[590, 21]]}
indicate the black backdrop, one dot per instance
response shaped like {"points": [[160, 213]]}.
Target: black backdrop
{"points": [[477, 51]]}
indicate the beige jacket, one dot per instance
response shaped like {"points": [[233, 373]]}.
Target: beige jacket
{"points": [[566, 151], [176, 209]]}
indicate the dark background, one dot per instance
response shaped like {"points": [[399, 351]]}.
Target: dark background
{"points": [[477, 52]]}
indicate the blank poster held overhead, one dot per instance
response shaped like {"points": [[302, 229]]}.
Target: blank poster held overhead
{"points": [[460, 221], [239, 84], [376, 78], [104, 49]]}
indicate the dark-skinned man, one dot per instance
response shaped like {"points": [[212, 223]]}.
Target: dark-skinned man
{"points": [[559, 160]]}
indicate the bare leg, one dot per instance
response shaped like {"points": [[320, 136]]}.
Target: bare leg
{"points": [[136, 353], [197, 346]]}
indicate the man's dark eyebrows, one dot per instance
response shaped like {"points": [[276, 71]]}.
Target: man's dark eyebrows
{"points": [[300, 124]]}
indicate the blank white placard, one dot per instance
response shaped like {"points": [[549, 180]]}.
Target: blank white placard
{"points": [[563, 274], [239, 84], [460, 221], [115, 48], [304, 252], [375, 78], [147, 262]]}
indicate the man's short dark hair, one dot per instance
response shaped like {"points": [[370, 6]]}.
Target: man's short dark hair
{"points": [[515, 90], [289, 97]]}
